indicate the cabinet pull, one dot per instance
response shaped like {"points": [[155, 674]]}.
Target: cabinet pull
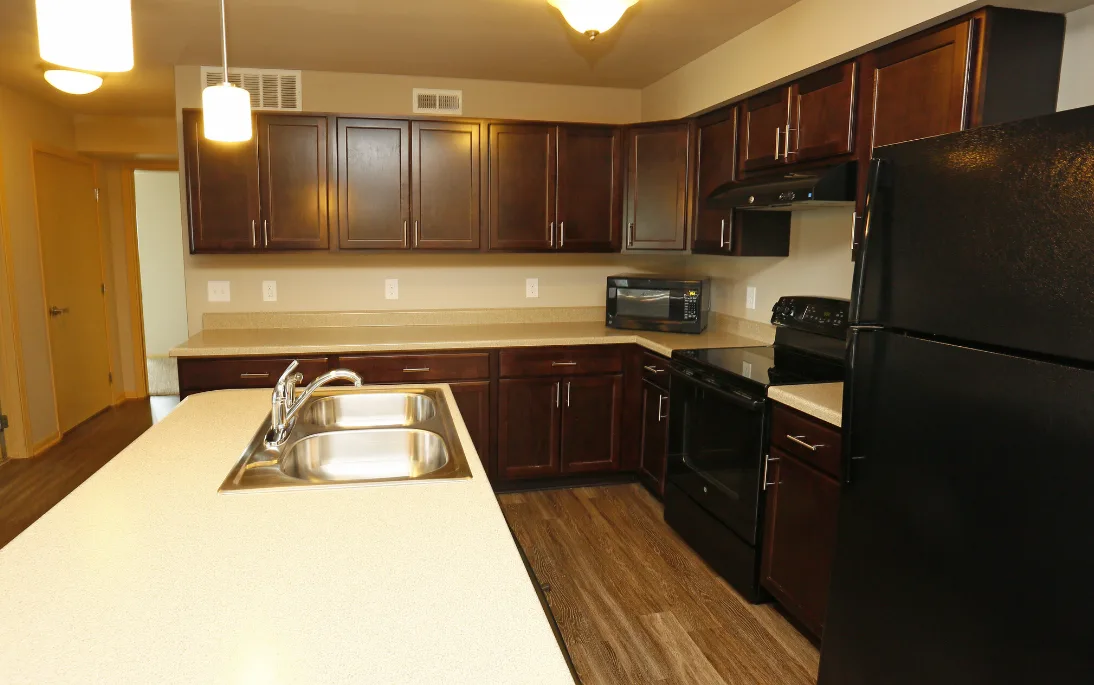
{"points": [[854, 226], [265, 234], [551, 234], [778, 140], [653, 369], [423, 369], [660, 401], [798, 439], [416, 233], [254, 234], [786, 143], [563, 363], [722, 239], [254, 375], [630, 234], [567, 393], [558, 392], [767, 460], [406, 233], [562, 234]]}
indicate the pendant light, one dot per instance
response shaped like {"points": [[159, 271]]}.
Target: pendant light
{"points": [[75, 82], [90, 35], [592, 17], [226, 109]]}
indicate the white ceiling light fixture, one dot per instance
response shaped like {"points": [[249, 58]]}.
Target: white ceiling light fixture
{"points": [[592, 17], [74, 82], [226, 109], [92, 35]]}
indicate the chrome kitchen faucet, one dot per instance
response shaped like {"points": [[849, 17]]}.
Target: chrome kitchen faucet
{"points": [[285, 407]]}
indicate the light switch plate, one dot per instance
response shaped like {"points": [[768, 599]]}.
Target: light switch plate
{"points": [[269, 291], [750, 297], [531, 287], [220, 291], [391, 288]]}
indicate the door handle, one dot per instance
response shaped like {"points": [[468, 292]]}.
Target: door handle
{"points": [[660, 414], [786, 143], [558, 393], [254, 234], [254, 375], [562, 234], [563, 363], [854, 226], [417, 232], [265, 233], [653, 369], [778, 141], [57, 311], [551, 234], [767, 460], [568, 393], [722, 240], [423, 369], [798, 439], [630, 234], [406, 233]]}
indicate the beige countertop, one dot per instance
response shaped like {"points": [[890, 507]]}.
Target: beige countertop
{"points": [[146, 574], [822, 400], [329, 340]]}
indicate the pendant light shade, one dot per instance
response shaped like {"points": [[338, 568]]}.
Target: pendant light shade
{"points": [[592, 17], [75, 82], [226, 109], [92, 35]]}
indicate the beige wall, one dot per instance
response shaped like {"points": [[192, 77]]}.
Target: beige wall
{"points": [[1076, 81], [145, 137]]}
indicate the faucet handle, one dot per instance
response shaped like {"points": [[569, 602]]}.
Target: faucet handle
{"points": [[288, 375]]}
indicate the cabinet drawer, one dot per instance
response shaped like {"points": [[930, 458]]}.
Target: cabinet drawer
{"points": [[412, 368], [655, 369], [813, 441], [197, 375], [560, 361]]}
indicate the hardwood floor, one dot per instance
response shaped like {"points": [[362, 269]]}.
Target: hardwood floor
{"points": [[637, 606], [30, 487]]}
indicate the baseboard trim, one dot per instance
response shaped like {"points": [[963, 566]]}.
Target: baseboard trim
{"points": [[44, 445]]}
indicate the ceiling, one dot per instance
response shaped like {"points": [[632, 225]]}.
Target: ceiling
{"points": [[516, 40]]}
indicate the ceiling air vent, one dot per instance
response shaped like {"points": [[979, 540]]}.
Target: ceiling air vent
{"points": [[270, 89], [432, 101]]}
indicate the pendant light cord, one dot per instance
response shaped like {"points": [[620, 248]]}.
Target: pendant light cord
{"points": [[224, 40]]}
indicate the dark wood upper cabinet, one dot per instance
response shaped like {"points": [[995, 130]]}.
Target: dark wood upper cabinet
{"points": [[292, 155], [823, 114], [445, 188], [658, 166], [589, 192], [522, 186], [591, 417], [765, 122], [221, 190], [373, 157], [528, 418], [716, 144]]}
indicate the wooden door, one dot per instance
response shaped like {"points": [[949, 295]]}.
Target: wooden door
{"points": [[655, 436], [68, 231], [522, 187], [373, 184], [221, 190], [445, 189], [473, 400], [920, 86], [657, 182], [590, 423], [765, 119], [589, 189], [292, 153], [801, 521], [823, 113], [717, 166], [528, 424]]}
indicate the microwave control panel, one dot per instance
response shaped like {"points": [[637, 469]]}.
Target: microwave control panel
{"points": [[691, 305]]}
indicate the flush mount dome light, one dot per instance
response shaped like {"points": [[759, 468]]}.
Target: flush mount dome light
{"points": [[75, 82], [592, 17], [92, 35]]}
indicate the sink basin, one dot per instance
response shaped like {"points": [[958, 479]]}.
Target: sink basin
{"points": [[370, 410], [350, 437], [381, 454]]}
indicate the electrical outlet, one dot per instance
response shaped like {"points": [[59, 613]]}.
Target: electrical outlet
{"points": [[750, 297], [269, 291], [391, 288], [220, 291], [531, 287]]}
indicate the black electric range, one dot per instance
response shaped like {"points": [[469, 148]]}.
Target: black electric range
{"points": [[719, 425]]}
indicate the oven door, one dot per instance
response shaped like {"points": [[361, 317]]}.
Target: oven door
{"points": [[646, 306], [716, 441]]}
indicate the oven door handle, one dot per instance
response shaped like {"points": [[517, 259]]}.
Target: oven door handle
{"points": [[732, 398]]}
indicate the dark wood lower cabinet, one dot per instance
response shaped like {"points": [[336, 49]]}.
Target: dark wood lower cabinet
{"points": [[655, 436], [528, 418], [591, 414], [473, 400]]}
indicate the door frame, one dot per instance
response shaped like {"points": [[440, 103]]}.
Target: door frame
{"points": [[11, 349], [35, 149], [133, 269]]}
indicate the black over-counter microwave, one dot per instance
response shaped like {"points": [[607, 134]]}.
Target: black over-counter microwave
{"points": [[658, 303]]}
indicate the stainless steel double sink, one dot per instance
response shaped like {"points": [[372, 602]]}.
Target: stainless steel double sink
{"points": [[358, 436]]}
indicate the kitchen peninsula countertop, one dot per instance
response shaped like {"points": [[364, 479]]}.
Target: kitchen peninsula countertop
{"points": [[146, 574], [238, 342], [823, 401]]}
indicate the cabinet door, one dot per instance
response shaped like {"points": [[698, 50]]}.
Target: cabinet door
{"points": [[373, 184], [589, 189], [473, 400], [801, 520], [919, 86], [657, 183], [655, 434], [717, 165], [522, 187], [528, 418], [590, 423], [292, 153], [823, 107], [221, 190], [765, 119], [445, 194]]}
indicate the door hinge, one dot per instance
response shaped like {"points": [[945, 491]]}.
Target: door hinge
{"points": [[102, 288], [3, 423], [110, 377], [96, 195]]}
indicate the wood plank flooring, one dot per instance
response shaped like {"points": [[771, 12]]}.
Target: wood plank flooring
{"points": [[31, 487], [637, 606]]}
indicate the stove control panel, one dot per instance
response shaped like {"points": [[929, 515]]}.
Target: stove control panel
{"points": [[824, 315]]}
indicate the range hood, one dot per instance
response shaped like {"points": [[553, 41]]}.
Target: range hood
{"points": [[833, 186]]}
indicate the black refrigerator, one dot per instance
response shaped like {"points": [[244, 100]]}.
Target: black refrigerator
{"points": [[965, 551]]}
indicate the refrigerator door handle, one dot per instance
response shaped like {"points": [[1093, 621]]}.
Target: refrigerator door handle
{"points": [[877, 167], [854, 371]]}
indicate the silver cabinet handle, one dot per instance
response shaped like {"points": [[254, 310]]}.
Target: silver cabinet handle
{"points": [[558, 392], [417, 232], [406, 233], [653, 369], [563, 363], [562, 234], [854, 225], [254, 375], [630, 234], [778, 135], [786, 143], [798, 439], [767, 460], [57, 311], [551, 234], [722, 240], [421, 370], [254, 234], [265, 234], [568, 393], [660, 402]]}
